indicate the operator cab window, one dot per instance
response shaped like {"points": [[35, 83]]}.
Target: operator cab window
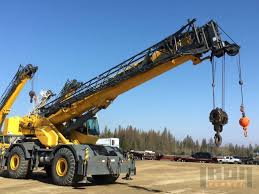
{"points": [[92, 126]]}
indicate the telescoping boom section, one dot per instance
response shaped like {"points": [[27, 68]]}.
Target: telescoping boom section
{"points": [[60, 135]]}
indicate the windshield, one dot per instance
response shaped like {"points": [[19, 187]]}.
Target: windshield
{"points": [[92, 126]]}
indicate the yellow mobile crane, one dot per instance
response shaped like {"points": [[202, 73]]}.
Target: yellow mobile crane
{"points": [[60, 134]]}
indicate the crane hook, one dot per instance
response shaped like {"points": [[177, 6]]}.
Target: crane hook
{"points": [[33, 96], [217, 139], [218, 118]]}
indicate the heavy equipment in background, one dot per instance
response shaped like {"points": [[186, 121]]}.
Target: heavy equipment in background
{"points": [[60, 134], [22, 76]]}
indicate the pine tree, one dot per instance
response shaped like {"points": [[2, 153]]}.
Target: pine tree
{"points": [[165, 143], [204, 147]]}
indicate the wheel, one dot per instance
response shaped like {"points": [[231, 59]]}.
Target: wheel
{"points": [[104, 179], [63, 167], [17, 165]]}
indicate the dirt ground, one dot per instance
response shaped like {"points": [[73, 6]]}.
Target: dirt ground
{"points": [[163, 177]]}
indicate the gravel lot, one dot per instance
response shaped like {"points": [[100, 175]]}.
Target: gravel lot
{"points": [[163, 177]]}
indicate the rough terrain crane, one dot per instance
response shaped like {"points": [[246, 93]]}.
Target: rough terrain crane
{"points": [[60, 134]]}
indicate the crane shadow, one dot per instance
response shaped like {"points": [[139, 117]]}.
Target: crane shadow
{"points": [[42, 177], [141, 188]]}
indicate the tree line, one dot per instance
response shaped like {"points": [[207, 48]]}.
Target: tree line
{"points": [[164, 142]]}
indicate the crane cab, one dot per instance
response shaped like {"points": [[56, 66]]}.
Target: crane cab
{"points": [[87, 133], [91, 127]]}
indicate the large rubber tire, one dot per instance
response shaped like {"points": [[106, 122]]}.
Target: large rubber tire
{"points": [[67, 174], [104, 179], [17, 169]]}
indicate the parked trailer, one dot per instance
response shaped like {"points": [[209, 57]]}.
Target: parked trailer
{"points": [[113, 142], [204, 157], [143, 155]]}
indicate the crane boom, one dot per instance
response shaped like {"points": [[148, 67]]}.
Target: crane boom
{"points": [[188, 43], [61, 135], [14, 88]]}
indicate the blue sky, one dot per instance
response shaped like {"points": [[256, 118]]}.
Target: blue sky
{"points": [[80, 39]]}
